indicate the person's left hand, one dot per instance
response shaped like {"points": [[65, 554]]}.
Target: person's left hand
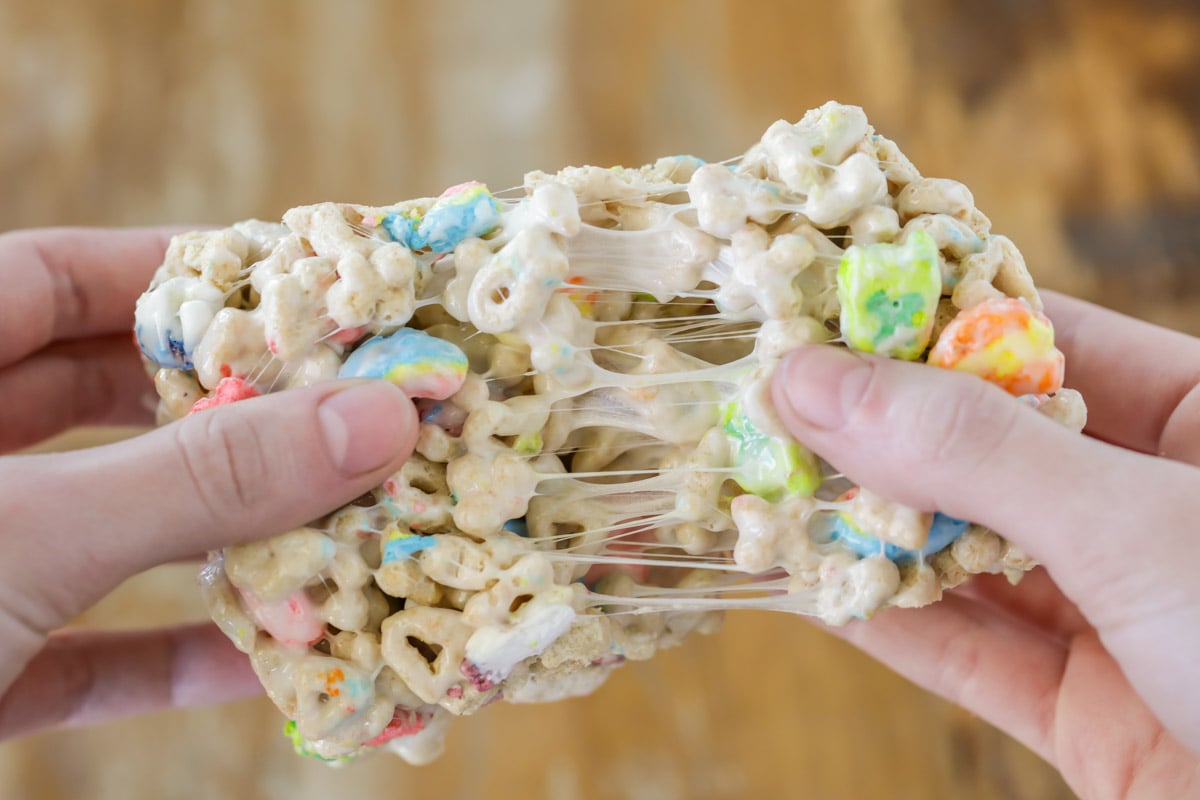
{"points": [[74, 525]]}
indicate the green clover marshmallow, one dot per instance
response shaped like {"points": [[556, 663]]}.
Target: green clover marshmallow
{"points": [[768, 466], [889, 294]]}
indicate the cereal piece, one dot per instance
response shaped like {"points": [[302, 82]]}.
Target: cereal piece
{"points": [[225, 605], [1016, 562], [889, 294], [765, 273], [290, 314], [919, 585], [942, 532], [995, 272], [348, 604], [904, 527], [952, 236], [518, 584], [1003, 341], [274, 568], [425, 647], [694, 539], [177, 390], [353, 299], [404, 579], [778, 337], [460, 563], [855, 587], [934, 196], [216, 256], [587, 641], [235, 345], [319, 365], [333, 692], [516, 284], [816, 158], [401, 277], [548, 686], [1066, 407], [419, 496], [767, 533], [490, 491], [875, 224], [725, 200], [978, 550], [949, 571], [680, 624]]}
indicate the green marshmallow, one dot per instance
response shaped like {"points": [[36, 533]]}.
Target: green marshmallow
{"points": [[528, 444], [768, 466], [303, 748], [889, 295]]}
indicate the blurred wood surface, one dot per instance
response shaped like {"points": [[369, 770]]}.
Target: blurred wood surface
{"points": [[1075, 124]]}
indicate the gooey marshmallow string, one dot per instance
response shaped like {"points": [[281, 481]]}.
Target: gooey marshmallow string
{"points": [[599, 470]]}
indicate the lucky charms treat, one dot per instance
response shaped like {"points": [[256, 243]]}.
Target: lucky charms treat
{"points": [[599, 470]]}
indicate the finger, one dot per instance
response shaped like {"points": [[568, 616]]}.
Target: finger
{"points": [[1110, 739], [1001, 669], [85, 677], [92, 381], [1139, 380], [65, 283], [1036, 600], [195, 559], [938, 439], [1059, 699], [229, 474]]}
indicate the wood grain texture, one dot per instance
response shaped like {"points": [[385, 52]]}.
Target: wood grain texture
{"points": [[1074, 123]]}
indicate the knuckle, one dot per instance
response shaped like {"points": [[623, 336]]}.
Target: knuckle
{"points": [[226, 463]]}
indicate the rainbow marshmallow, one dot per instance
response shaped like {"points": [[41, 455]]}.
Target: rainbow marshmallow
{"points": [[420, 364]]}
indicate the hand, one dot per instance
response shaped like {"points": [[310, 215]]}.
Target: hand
{"points": [[74, 525], [1092, 661]]}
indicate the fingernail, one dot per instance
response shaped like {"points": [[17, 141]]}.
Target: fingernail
{"points": [[822, 385], [365, 425]]}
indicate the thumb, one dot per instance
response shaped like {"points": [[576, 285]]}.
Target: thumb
{"points": [[225, 475], [941, 440]]}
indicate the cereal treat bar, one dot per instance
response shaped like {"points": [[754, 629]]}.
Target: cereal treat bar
{"points": [[599, 470]]}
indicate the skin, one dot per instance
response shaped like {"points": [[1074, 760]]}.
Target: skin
{"points": [[74, 525], [1092, 660]]}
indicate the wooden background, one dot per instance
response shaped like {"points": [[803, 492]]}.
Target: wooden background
{"points": [[1075, 124]]}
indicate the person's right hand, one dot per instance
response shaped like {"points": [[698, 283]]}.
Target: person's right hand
{"points": [[1094, 662]]}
